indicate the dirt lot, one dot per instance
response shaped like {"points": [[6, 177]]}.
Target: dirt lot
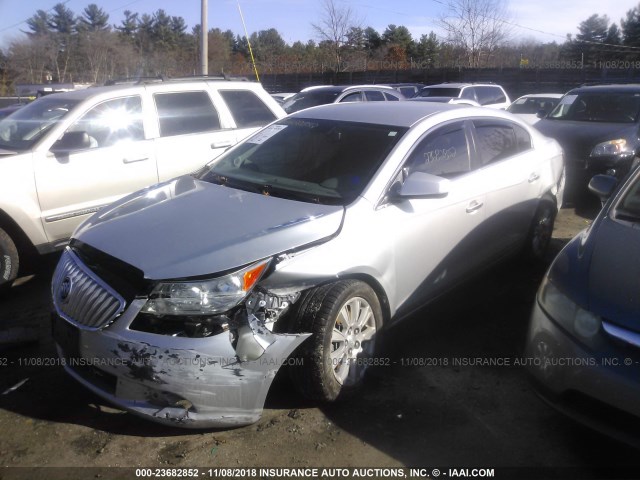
{"points": [[438, 415]]}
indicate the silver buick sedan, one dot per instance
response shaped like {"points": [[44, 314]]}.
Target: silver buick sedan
{"points": [[296, 247]]}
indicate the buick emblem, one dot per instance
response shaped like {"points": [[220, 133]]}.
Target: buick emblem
{"points": [[65, 289]]}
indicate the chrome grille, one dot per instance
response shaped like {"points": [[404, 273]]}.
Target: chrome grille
{"points": [[81, 297]]}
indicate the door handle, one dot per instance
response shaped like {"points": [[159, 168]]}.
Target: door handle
{"points": [[533, 177], [474, 206], [133, 160], [222, 144]]}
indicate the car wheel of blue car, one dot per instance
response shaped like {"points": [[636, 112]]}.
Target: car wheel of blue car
{"points": [[343, 318]]}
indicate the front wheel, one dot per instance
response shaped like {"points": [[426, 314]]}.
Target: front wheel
{"points": [[9, 261], [343, 318]]}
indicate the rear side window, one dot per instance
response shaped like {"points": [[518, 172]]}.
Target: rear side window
{"points": [[490, 95], [497, 140], [444, 153], [180, 113], [247, 109], [390, 97], [374, 96]]}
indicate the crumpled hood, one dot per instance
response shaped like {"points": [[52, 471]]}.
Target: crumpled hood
{"points": [[187, 228], [614, 270]]}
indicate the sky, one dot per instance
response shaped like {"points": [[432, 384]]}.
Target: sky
{"points": [[543, 20]]}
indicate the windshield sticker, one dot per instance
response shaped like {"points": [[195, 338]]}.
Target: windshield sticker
{"points": [[392, 134], [266, 134], [568, 99]]}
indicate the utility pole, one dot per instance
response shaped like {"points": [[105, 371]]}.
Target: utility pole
{"points": [[204, 45]]}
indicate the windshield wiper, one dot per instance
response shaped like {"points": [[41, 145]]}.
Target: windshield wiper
{"points": [[290, 194]]}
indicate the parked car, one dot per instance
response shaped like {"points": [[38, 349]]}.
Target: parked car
{"points": [[282, 96], [65, 156], [486, 94], [534, 106], [9, 109], [583, 344], [191, 294], [323, 94], [598, 128], [408, 90]]}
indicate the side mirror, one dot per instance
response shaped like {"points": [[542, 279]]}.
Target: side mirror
{"points": [[72, 141], [541, 113], [421, 185], [603, 186]]}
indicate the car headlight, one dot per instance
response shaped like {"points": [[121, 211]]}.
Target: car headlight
{"points": [[204, 297], [612, 147], [567, 313]]}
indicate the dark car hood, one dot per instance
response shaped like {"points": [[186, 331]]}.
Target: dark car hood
{"points": [[186, 228], [581, 137], [613, 286]]}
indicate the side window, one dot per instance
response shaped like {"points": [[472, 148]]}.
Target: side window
{"points": [[488, 95], [497, 140], [247, 109], [469, 93], [352, 97], [373, 96], [180, 113], [444, 152], [390, 97], [111, 122]]}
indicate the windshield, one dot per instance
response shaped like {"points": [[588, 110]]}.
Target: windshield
{"points": [[21, 130], [439, 92], [598, 107], [319, 161], [308, 99], [533, 105]]}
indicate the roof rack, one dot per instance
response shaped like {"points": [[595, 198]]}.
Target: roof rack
{"points": [[162, 78]]}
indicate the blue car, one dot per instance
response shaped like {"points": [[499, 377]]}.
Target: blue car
{"points": [[583, 343]]}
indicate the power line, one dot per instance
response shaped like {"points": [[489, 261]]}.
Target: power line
{"points": [[27, 19]]}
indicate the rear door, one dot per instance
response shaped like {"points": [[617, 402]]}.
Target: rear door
{"points": [[511, 170], [191, 130]]}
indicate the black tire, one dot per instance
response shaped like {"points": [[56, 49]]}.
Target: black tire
{"points": [[9, 260], [321, 373], [541, 230]]}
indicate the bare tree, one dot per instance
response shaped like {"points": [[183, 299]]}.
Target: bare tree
{"points": [[477, 26], [333, 29]]}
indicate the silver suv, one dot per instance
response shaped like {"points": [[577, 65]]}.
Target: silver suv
{"points": [[486, 94], [65, 156]]}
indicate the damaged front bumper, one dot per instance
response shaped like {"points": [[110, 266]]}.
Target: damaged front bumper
{"points": [[216, 381]]}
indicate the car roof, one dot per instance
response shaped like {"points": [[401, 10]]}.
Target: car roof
{"points": [[542, 95], [344, 88], [84, 93], [460, 85], [610, 88], [400, 114]]}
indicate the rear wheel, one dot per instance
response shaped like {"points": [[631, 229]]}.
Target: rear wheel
{"points": [[541, 229], [9, 261], [343, 318]]}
